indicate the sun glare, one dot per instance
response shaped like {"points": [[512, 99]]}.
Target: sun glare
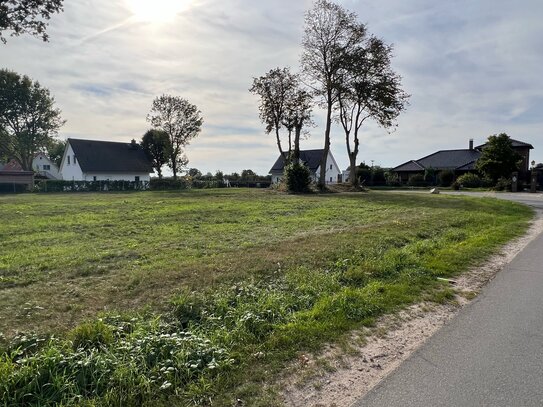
{"points": [[157, 11]]}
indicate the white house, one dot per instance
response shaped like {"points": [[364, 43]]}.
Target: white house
{"points": [[92, 160], [312, 159], [41, 164]]}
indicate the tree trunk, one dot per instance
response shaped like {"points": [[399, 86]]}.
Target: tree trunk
{"points": [[322, 176], [353, 178], [174, 165], [297, 136]]}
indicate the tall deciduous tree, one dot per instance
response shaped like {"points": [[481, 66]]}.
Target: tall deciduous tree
{"points": [[330, 33], [27, 16], [55, 151], [284, 103], [181, 120], [157, 147], [369, 89], [498, 158], [27, 116]]}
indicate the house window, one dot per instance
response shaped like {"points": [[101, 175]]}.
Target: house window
{"points": [[330, 166], [330, 179], [75, 161], [137, 179], [46, 167], [68, 157]]}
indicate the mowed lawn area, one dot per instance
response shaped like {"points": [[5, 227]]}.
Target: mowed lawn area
{"points": [[255, 276]]}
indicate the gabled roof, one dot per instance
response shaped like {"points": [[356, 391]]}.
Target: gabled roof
{"points": [[311, 158], [108, 156], [409, 166], [441, 160], [514, 144], [12, 165]]}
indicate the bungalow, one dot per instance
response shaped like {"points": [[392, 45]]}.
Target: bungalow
{"points": [[460, 161], [92, 160], [312, 159]]}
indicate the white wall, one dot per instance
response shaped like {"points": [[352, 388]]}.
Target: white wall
{"points": [[331, 173], [71, 171], [89, 176], [40, 160]]}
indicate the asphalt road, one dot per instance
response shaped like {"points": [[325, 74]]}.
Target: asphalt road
{"points": [[491, 353]]}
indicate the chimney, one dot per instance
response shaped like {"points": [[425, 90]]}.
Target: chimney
{"points": [[133, 144], [471, 144]]}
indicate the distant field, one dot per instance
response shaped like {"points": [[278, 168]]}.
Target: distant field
{"points": [[332, 262]]}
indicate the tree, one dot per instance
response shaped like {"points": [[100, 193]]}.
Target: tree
{"points": [[27, 16], [498, 158], [156, 145], [181, 120], [330, 33], [284, 103], [368, 89], [194, 173], [248, 175], [55, 151], [27, 116]]}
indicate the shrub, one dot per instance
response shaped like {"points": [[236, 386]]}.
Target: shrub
{"points": [[297, 177], [430, 176], [392, 178], [416, 180], [503, 184], [446, 178], [168, 184], [469, 180]]}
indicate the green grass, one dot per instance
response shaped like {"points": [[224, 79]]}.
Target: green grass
{"points": [[208, 295]]}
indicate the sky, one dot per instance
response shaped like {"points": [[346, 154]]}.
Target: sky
{"points": [[472, 68]]}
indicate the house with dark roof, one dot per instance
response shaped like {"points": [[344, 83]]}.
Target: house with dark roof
{"points": [[459, 161], [93, 160], [312, 159]]}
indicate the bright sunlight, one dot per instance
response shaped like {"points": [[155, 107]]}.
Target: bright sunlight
{"points": [[157, 11]]}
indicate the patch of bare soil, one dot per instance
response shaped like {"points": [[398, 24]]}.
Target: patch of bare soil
{"points": [[338, 376]]}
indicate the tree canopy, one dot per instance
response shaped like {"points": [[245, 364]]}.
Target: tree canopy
{"points": [[369, 89], [284, 104], [181, 120], [498, 158], [28, 118], [27, 16], [55, 151], [157, 147]]}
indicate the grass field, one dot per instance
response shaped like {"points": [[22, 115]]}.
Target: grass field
{"points": [[222, 287]]}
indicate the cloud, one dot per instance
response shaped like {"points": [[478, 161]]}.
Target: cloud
{"points": [[472, 68]]}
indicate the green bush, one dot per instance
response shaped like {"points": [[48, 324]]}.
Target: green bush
{"points": [[392, 179], [417, 180], [445, 178], [470, 180], [168, 184], [503, 184], [297, 177]]}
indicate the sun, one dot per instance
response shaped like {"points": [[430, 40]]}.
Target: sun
{"points": [[157, 11]]}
